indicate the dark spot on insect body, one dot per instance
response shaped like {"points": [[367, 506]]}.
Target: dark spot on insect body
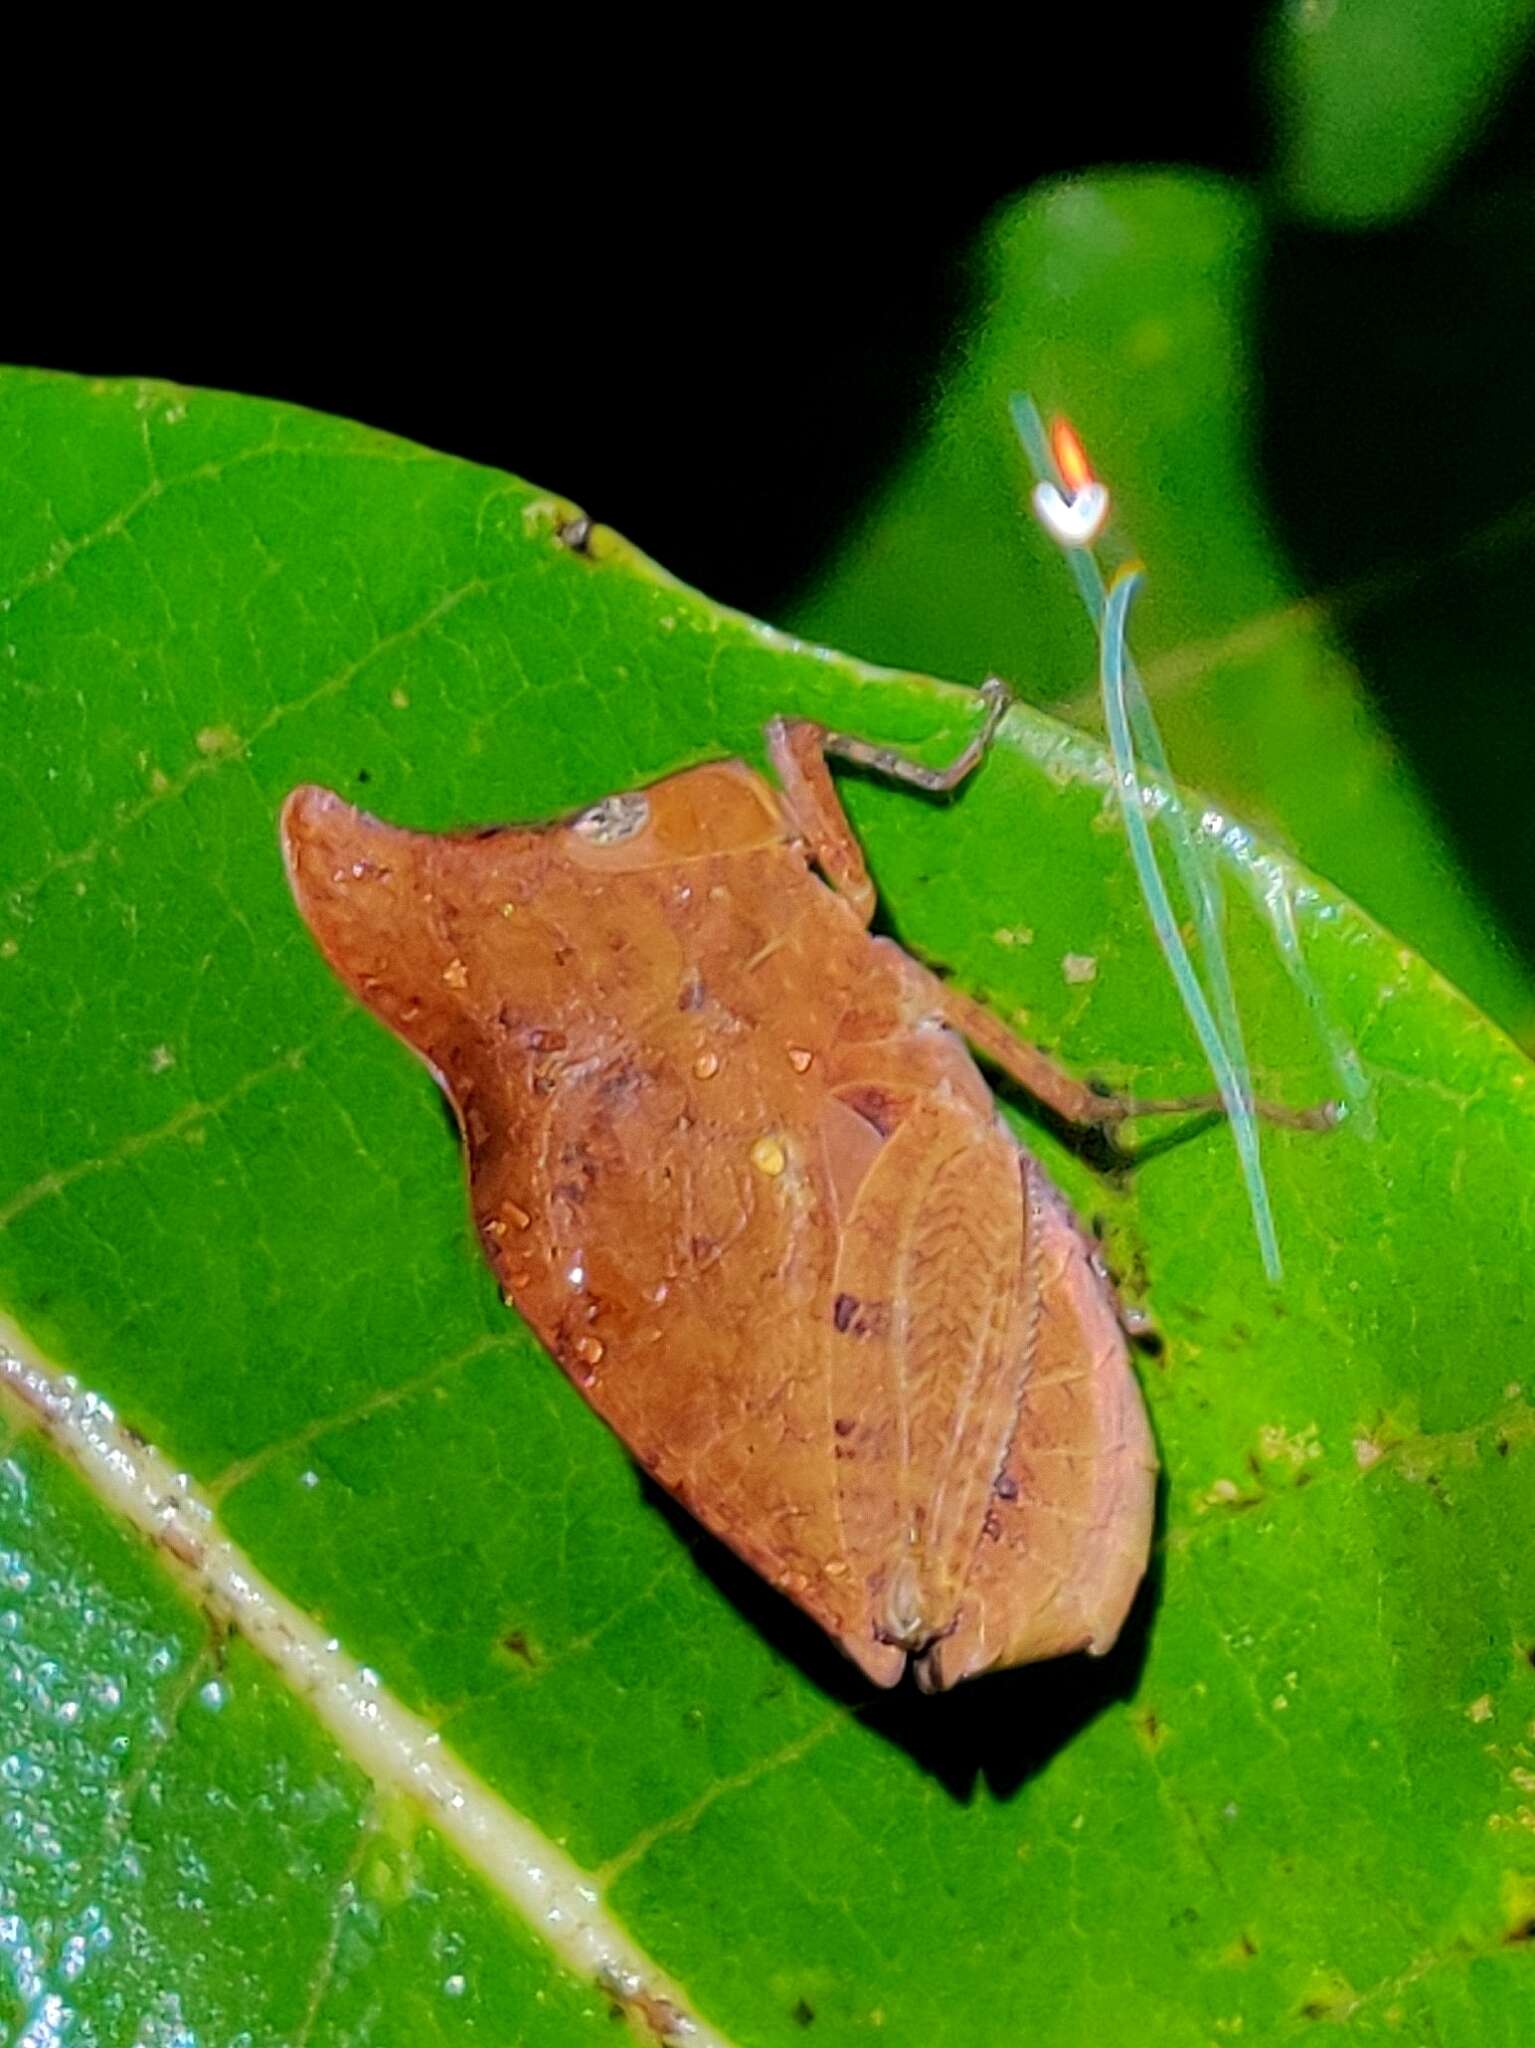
{"points": [[1502, 1446], [1147, 1339], [575, 534], [1523, 1932], [363, 775], [844, 1425], [803, 2014], [1006, 1487], [855, 1318], [874, 1105], [517, 1645]]}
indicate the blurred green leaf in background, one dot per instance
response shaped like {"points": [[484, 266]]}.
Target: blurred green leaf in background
{"points": [[1323, 444], [1375, 99]]}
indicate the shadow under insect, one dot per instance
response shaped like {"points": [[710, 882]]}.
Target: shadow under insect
{"points": [[1001, 1729]]}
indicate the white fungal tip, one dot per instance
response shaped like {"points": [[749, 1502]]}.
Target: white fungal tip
{"points": [[1073, 522]]}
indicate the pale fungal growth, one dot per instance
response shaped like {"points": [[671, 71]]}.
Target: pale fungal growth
{"points": [[1061, 464], [1074, 522], [614, 819]]}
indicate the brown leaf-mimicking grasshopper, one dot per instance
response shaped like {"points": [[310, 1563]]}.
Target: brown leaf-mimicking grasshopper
{"points": [[730, 1157]]}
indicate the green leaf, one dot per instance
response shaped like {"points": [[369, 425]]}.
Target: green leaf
{"points": [[1375, 99], [186, 1849], [231, 1205], [1127, 302]]}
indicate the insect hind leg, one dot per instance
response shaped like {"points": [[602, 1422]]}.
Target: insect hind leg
{"points": [[1078, 1102]]}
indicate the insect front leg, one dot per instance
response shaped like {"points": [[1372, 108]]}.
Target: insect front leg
{"points": [[798, 749]]}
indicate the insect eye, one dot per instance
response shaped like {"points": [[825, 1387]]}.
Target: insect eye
{"points": [[614, 820]]}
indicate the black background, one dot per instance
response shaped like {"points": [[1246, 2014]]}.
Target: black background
{"points": [[707, 309]]}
